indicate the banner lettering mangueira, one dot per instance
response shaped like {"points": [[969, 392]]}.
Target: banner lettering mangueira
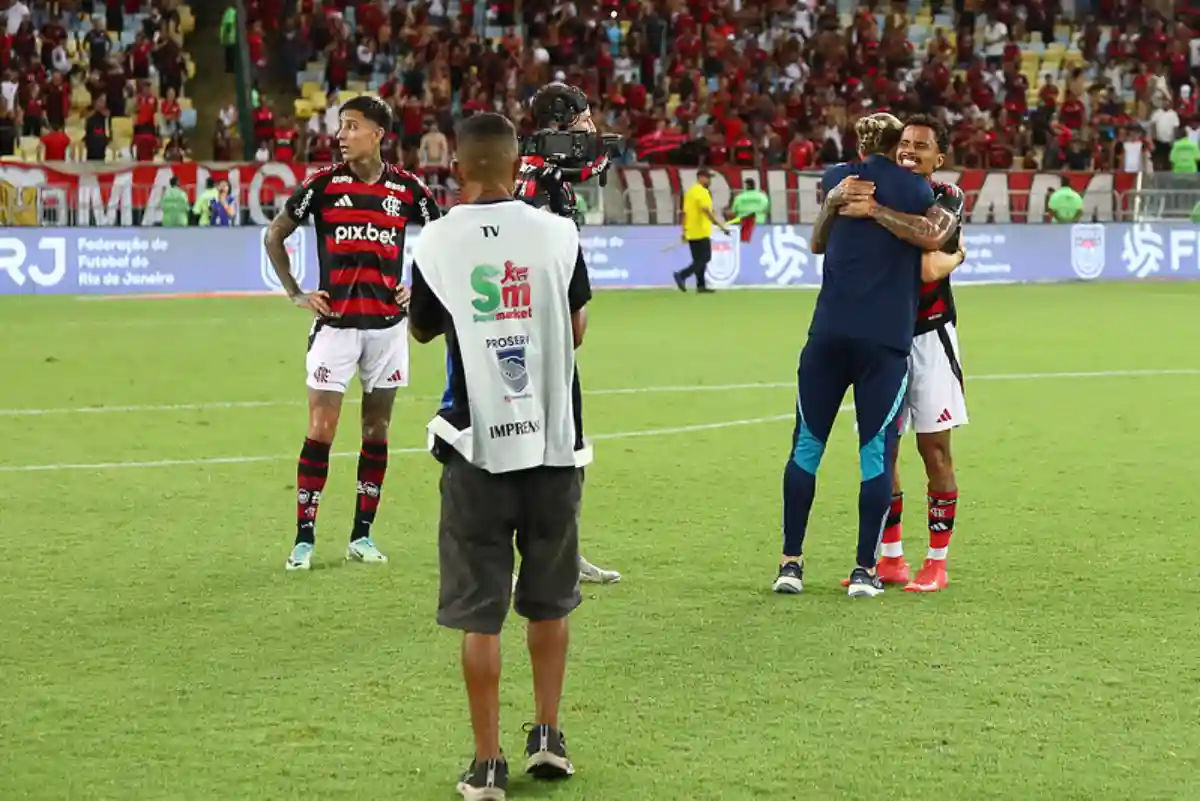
{"points": [[122, 195], [651, 194]]}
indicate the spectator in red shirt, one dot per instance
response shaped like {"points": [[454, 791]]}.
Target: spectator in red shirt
{"points": [[286, 138], [1071, 113], [145, 109], [55, 144], [145, 145], [171, 112], [138, 57], [802, 153], [35, 112]]}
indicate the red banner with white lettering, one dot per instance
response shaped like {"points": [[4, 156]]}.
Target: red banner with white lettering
{"points": [[109, 195]]}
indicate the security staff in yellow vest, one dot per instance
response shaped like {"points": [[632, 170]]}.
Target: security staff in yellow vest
{"points": [[698, 221]]}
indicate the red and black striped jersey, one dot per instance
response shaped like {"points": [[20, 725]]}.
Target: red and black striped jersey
{"points": [[360, 238], [530, 191], [936, 306]]}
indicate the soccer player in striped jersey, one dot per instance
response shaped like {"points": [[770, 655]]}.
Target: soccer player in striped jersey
{"points": [[360, 208], [860, 336], [935, 403]]}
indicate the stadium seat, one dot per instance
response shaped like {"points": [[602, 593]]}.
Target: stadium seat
{"points": [[122, 127], [27, 148]]}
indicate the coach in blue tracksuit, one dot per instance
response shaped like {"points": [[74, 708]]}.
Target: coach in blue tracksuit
{"points": [[876, 221]]}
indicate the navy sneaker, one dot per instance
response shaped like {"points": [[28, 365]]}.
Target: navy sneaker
{"points": [[485, 781], [546, 753], [864, 584], [790, 580]]}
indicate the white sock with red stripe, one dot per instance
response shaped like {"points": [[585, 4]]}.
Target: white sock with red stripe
{"points": [[891, 547]]}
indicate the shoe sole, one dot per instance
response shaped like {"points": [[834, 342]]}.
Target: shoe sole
{"points": [[864, 591], [923, 588], [351, 556], [590, 579], [480, 793], [548, 766], [786, 585], [290, 567]]}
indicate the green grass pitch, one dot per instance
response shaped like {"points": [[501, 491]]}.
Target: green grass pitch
{"points": [[152, 647]]}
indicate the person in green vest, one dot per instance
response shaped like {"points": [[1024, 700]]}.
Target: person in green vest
{"points": [[174, 206], [1185, 154], [204, 200], [229, 38], [750, 208], [1065, 204]]}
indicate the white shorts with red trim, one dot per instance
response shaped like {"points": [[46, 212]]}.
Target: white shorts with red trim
{"points": [[935, 400], [379, 356]]}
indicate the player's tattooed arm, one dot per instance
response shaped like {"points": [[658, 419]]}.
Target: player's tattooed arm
{"points": [[823, 225], [928, 231], [849, 190], [275, 244]]}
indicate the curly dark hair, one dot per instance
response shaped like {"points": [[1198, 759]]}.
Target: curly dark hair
{"points": [[940, 135]]}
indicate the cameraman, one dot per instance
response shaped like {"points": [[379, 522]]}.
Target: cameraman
{"points": [[546, 183]]}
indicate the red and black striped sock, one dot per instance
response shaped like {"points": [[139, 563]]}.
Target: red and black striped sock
{"points": [[310, 483], [372, 465]]}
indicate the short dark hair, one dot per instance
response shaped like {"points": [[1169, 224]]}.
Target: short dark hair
{"points": [[750, 184], [485, 126], [556, 104], [372, 108], [940, 134]]}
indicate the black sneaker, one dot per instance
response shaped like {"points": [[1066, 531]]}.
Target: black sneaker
{"points": [[546, 753], [485, 781], [705, 290], [864, 584], [679, 282], [790, 580]]}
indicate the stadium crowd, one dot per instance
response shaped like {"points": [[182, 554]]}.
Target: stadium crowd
{"points": [[709, 82], [85, 81], [757, 83]]}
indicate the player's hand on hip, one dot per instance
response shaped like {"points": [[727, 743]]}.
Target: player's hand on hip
{"points": [[317, 302], [403, 296], [859, 207]]}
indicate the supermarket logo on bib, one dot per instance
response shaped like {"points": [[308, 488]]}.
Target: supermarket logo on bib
{"points": [[501, 294]]}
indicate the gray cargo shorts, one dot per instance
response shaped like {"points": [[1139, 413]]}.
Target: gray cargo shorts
{"points": [[481, 511]]}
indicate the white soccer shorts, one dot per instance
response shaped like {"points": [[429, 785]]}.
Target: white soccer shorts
{"points": [[379, 356], [935, 400]]}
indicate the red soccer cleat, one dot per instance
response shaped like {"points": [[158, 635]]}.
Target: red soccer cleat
{"points": [[891, 570], [932, 577]]}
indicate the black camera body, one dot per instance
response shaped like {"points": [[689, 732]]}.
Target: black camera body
{"points": [[572, 150]]}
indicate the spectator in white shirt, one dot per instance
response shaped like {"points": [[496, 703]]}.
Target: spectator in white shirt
{"points": [[995, 35], [1164, 123], [16, 13]]}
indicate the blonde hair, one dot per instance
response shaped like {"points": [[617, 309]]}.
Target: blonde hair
{"points": [[878, 133]]}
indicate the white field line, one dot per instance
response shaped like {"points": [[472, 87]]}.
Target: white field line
{"points": [[650, 432], [206, 405]]}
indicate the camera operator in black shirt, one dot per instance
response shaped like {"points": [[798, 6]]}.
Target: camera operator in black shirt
{"points": [[565, 149]]}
